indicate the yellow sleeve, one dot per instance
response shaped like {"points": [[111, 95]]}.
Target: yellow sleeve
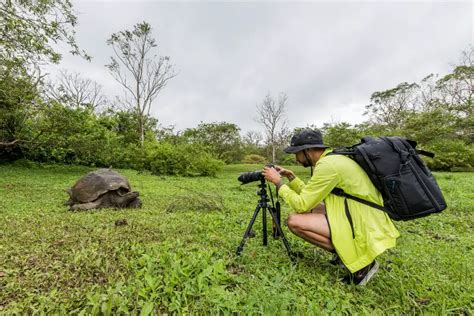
{"points": [[296, 184], [324, 179]]}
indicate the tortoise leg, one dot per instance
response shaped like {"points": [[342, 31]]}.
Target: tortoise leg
{"points": [[124, 201], [136, 203], [86, 206]]}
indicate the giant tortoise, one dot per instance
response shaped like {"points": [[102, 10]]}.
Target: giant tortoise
{"points": [[102, 188]]}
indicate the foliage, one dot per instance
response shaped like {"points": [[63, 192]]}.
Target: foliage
{"points": [[29, 29], [451, 154], [126, 124], [439, 114], [222, 139], [393, 106], [81, 136], [184, 160], [19, 104], [252, 144], [288, 159], [59, 262], [254, 159], [340, 134]]}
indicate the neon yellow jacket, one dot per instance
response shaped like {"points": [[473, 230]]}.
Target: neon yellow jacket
{"points": [[372, 230]]}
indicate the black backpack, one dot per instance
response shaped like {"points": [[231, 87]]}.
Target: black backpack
{"points": [[408, 188]]}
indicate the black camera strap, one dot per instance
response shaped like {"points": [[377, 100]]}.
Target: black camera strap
{"points": [[309, 161], [271, 194]]}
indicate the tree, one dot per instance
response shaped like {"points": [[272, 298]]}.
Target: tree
{"points": [[76, 92], [456, 92], [18, 103], [457, 88], [222, 139], [140, 73], [253, 138], [126, 122], [392, 107], [438, 113], [271, 115], [340, 134], [28, 28]]}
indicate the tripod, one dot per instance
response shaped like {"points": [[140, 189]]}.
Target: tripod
{"points": [[275, 214]]}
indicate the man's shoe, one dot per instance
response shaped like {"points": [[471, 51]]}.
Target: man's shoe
{"points": [[362, 276], [336, 261]]}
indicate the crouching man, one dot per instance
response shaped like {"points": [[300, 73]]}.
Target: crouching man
{"points": [[357, 233]]}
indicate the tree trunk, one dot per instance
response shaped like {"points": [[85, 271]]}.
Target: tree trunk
{"points": [[141, 130], [273, 153]]}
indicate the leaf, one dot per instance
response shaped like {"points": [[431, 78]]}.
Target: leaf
{"points": [[147, 309]]}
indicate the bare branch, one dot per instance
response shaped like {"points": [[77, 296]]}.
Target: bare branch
{"points": [[144, 76], [271, 115], [74, 91], [10, 144]]}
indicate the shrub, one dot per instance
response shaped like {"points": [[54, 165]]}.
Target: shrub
{"points": [[450, 155], [180, 159], [254, 159], [288, 160]]}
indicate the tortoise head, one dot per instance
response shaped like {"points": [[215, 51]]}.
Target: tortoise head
{"points": [[129, 199]]}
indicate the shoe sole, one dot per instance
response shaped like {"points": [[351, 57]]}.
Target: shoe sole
{"points": [[370, 274]]}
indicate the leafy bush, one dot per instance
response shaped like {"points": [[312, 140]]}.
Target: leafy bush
{"points": [[288, 160], [254, 159], [72, 136], [450, 155], [180, 159], [80, 136], [221, 139]]}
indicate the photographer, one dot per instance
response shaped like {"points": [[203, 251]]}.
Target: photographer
{"points": [[357, 233]]}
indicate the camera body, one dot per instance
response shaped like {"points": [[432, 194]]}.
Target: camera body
{"points": [[247, 177]]}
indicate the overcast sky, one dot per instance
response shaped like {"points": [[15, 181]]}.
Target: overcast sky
{"points": [[328, 57]]}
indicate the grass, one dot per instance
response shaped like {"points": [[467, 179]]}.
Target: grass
{"points": [[177, 254]]}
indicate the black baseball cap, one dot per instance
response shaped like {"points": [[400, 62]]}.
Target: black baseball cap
{"points": [[307, 138]]}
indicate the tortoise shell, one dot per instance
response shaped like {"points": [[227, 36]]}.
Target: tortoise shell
{"points": [[96, 183]]}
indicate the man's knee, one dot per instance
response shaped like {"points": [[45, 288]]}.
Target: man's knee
{"points": [[293, 222]]}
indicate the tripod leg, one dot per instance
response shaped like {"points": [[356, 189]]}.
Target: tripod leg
{"points": [[240, 248], [276, 234], [264, 226], [274, 215]]}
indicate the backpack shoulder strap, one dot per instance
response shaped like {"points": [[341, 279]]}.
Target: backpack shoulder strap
{"points": [[340, 192], [425, 153], [346, 151]]}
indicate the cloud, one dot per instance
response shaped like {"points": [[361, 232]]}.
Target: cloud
{"points": [[328, 57]]}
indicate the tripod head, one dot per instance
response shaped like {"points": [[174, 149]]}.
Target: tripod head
{"points": [[263, 192]]}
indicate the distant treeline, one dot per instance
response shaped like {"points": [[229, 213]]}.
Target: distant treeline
{"points": [[437, 113], [70, 121]]}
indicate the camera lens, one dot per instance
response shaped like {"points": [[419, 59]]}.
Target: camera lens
{"points": [[248, 177]]}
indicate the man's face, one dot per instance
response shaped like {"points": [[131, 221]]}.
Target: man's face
{"points": [[301, 159]]}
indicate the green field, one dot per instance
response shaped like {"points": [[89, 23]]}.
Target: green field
{"points": [[177, 253]]}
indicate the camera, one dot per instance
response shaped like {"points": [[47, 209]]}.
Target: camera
{"points": [[247, 177]]}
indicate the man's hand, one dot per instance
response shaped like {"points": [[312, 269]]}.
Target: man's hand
{"points": [[272, 175], [285, 172]]}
